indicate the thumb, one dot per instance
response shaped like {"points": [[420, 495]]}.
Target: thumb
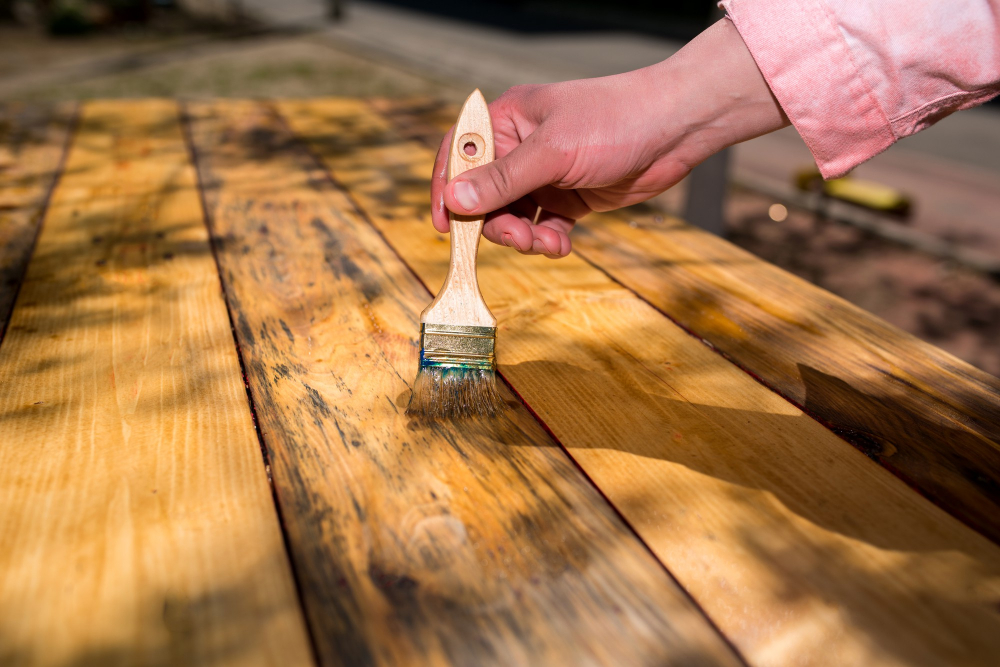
{"points": [[530, 166]]}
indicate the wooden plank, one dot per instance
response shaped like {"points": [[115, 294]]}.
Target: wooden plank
{"points": [[138, 525], [416, 542], [930, 418], [800, 549], [32, 144]]}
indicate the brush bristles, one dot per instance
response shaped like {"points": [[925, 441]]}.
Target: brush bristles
{"points": [[450, 391]]}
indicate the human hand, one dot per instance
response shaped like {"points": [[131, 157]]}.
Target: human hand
{"points": [[600, 144]]}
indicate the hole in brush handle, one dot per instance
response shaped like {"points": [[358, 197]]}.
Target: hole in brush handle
{"points": [[473, 147]]}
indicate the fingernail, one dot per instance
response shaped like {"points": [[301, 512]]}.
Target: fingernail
{"points": [[466, 195], [538, 246]]}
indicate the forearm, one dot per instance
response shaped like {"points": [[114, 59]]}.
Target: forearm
{"points": [[712, 95]]}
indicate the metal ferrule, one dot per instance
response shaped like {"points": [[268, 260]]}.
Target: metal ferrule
{"points": [[457, 346]]}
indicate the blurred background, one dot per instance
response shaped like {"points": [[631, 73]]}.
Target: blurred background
{"points": [[912, 236]]}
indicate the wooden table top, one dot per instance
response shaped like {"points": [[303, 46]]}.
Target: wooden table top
{"points": [[209, 317]]}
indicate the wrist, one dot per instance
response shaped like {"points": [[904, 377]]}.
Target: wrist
{"points": [[715, 96]]}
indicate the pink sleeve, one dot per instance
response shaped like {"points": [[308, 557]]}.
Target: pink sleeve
{"points": [[854, 76]]}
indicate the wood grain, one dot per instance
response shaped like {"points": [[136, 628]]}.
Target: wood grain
{"points": [[799, 548], [138, 525], [468, 543], [930, 418], [460, 302], [32, 144]]}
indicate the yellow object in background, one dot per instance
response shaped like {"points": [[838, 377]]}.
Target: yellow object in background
{"points": [[869, 194]]}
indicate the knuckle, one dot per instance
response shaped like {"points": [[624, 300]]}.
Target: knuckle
{"points": [[502, 179], [515, 98]]}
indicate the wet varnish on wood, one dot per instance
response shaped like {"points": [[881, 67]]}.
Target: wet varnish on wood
{"points": [[800, 548]]}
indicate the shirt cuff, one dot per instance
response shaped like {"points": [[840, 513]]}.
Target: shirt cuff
{"points": [[808, 65]]}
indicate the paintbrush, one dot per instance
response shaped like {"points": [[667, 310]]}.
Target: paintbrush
{"points": [[457, 375]]}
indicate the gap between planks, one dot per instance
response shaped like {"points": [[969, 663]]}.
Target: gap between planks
{"points": [[15, 253]]}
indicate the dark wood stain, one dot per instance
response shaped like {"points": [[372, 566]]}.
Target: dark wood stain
{"points": [[470, 543]]}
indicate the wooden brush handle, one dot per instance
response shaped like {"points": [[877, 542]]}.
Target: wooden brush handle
{"points": [[460, 302]]}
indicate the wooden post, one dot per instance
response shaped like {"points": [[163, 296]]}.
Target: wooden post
{"points": [[706, 195]]}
